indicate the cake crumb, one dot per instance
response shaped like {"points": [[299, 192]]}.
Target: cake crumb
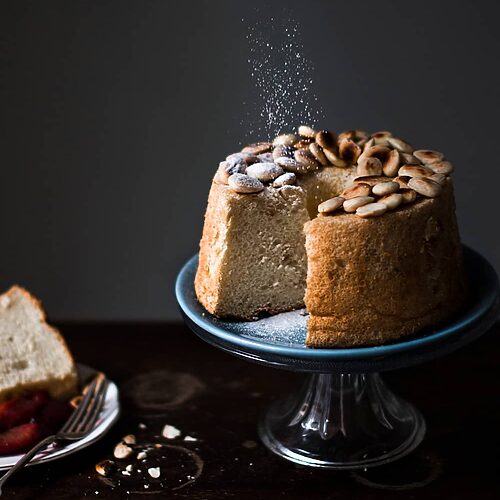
{"points": [[154, 472], [170, 432]]}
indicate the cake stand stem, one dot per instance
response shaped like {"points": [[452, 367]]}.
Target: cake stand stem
{"points": [[342, 421]]}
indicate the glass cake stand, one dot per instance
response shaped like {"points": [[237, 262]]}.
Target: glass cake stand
{"points": [[344, 416]]}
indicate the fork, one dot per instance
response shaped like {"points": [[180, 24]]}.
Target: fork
{"points": [[79, 425]]}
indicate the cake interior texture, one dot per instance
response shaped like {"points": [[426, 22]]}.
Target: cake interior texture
{"points": [[388, 267], [34, 355]]}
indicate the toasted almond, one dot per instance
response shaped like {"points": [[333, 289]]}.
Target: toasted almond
{"points": [[425, 186], [428, 155], [371, 180], [285, 140], [353, 204], [248, 158], [318, 153], [391, 201], [290, 165], [129, 439], [369, 166], [242, 183], [349, 151], [439, 178], [371, 210], [306, 131], [357, 189], [441, 167], [400, 145], [368, 144], [402, 180], [306, 159], [265, 158], [105, 468], [122, 451], [334, 159], [228, 168], [409, 159], [381, 134], [354, 135], [390, 166], [327, 140], [287, 179], [265, 172], [329, 206], [380, 152], [409, 196], [303, 143], [415, 171], [257, 148], [385, 188], [281, 150]]}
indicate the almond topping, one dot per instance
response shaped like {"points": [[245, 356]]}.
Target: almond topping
{"points": [[354, 203], [257, 148], [371, 210], [306, 131], [369, 166], [385, 188], [241, 183], [318, 153], [428, 155], [330, 205], [306, 159], [425, 186], [358, 189], [391, 201], [415, 171]]}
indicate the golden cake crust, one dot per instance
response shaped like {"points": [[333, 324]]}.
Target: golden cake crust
{"points": [[405, 275]]}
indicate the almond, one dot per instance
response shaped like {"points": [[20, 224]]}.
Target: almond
{"points": [[371, 210], [425, 186], [353, 204]]}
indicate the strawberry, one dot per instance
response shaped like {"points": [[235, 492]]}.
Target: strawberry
{"points": [[19, 439], [53, 415], [21, 409]]}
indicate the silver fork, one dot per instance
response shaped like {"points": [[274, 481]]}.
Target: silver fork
{"points": [[78, 426]]}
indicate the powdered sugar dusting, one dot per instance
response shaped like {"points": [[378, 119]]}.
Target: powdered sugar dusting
{"points": [[283, 78], [287, 328]]}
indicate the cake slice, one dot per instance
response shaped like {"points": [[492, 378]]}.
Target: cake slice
{"points": [[33, 354], [252, 253]]}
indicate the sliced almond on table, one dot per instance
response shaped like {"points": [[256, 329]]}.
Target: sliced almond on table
{"points": [[257, 148], [330, 205], [306, 131], [441, 167], [353, 204], [415, 171], [357, 189], [369, 166], [285, 140], [391, 201], [385, 188], [241, 183], [390, 166], [318, 153], [306, 159], [371, 210], [428, 155], [425, 186]]}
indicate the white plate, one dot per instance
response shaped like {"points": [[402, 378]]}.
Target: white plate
{"points": [[107, 418]]}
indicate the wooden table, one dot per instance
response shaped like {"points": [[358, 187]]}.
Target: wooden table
{"points": [[167, 376]]}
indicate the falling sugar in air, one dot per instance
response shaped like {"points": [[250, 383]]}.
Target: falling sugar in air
{"points": [[283, 79]]}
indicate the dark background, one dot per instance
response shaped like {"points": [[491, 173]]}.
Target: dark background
{"points": [[115, 114]]}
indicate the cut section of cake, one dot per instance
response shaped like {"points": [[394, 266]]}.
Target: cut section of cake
{"points": [[369, 220], [33, 354]]}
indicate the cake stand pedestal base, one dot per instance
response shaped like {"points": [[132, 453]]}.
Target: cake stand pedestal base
{"points": [[342, 421], [344, 416]]}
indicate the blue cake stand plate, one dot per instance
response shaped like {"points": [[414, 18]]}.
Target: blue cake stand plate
{"points": [[344, 417]]}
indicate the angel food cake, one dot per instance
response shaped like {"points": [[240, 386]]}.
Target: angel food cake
{"points": [[360, 228]]}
